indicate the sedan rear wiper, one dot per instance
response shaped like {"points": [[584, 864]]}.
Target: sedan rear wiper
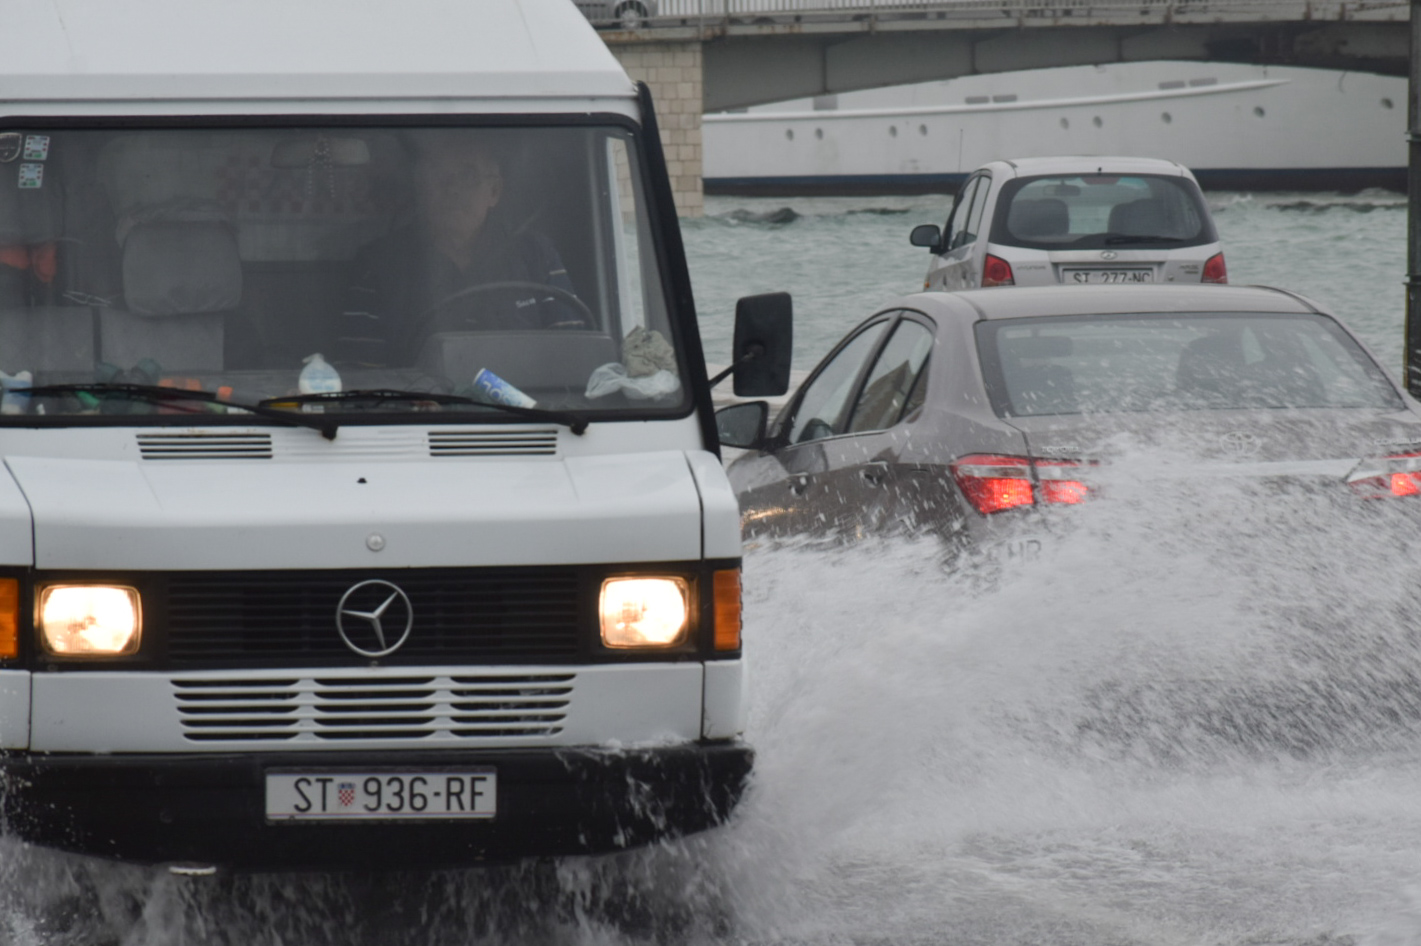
{"points": [[574, 422], [1120, 238], [153, 394]]}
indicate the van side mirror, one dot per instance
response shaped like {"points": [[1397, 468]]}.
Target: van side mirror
{"points": [[764, 342], [926, 234], [743, 425]]}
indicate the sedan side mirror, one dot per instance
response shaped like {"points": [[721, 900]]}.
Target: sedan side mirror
{"points": [[764, 342], [926, 234], [743, 425]]}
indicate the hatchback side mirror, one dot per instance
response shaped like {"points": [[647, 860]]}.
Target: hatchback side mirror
{"points": [[926, 234], [743, 425], [764, 342]]}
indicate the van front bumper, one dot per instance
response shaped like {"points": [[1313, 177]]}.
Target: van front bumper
{"points": [[211, 809]]}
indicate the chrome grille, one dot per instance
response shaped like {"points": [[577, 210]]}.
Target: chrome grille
{"points": [[349, 709], [204, 446], [488, 443], [461, 615]]}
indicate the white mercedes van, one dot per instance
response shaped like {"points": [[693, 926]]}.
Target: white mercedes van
{"points": [[361, 502]]}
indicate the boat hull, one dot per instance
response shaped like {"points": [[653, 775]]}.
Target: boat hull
{"points": [[1238, 127]]}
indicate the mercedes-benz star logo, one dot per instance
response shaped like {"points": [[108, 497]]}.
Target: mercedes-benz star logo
{"points": [[374, 618]]}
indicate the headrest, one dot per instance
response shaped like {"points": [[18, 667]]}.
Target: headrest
{"points": [[181, 268], [1038, 218], [1039, 346], [1138, 218]]}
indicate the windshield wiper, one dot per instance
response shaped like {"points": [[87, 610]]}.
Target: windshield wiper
{"points": [[1117, 240], [574, 422], [153, 394]]}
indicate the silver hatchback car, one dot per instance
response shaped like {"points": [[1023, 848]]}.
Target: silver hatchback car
{"points": [[1074, 221]]}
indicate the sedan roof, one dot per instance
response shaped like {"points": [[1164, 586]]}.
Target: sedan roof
{"points": [[1037, 301]]}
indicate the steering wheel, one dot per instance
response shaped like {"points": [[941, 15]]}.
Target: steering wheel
{"points": [[429, 316]]}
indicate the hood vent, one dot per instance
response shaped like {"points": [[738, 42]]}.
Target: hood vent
{"points": [[487, 443], [205, 446]]}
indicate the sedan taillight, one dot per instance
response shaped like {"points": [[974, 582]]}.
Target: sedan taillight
{"points": [[1395, 475], [994, 483], [996, 272], [1215, 270]]}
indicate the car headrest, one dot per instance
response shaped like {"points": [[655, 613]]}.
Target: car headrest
{"points": [[1038, 218], [181, 268], [1138, 218], [1039, 346]]}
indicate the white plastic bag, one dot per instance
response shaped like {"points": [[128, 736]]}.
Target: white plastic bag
{"points": [[613, 377]]}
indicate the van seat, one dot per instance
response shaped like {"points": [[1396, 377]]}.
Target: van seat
{"points": [[179, 279]]}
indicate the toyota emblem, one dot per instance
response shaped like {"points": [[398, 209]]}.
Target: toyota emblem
{"points": [[374, 618], [1240, 443]]}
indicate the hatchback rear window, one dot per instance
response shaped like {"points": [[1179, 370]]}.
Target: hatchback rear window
{"points": [[1134, 363], [1101, 211]]}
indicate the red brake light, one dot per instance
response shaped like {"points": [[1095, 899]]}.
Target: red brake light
{"points": [[994, 483], [1214, 269], [1405, 484], [996, 272], [1396, 475], [1056, 484]]}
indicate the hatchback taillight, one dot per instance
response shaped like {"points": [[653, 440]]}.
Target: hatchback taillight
{"points": [[994, 483], [996, 272], [1215, 270], [1395, 475]]}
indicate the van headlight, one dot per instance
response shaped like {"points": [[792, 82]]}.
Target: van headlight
{"points": [[644, 612], [90, 620]]}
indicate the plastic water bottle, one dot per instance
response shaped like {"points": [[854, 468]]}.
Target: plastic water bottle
{"points": [[318, 377]]}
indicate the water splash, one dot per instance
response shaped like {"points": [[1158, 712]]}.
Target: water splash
{"points": [[1194, 719]]}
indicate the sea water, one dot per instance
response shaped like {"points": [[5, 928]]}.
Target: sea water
{"points": [[1193, 720], [844, 259]]}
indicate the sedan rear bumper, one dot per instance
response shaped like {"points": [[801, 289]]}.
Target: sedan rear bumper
{"points": [[211, 809]]}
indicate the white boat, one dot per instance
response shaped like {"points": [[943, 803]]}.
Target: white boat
{"points": [[1236, 126]]}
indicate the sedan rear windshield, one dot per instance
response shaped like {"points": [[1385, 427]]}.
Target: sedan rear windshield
{"points": [[1101, 211], [1133, 363], [496, 265]]}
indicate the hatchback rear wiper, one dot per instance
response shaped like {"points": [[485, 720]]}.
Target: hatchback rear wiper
{"points": [[574, 422], [153, 394], [1120, 238]]}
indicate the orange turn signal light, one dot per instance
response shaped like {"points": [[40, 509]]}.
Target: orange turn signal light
{"points": [[726, 590], [9, 617]]}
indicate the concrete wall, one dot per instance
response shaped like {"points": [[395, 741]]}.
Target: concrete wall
{"points": [[673, 72]]}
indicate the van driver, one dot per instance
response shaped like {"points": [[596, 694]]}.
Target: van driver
{"points": [[440, 272]]}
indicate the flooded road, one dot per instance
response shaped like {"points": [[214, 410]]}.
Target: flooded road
{"points": [[1193, 720]]}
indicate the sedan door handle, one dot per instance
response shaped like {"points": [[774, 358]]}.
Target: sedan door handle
{"points": [[799, 483], [873, 473]]}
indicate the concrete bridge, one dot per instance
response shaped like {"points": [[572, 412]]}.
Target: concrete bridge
{"points": [[710, 55]]}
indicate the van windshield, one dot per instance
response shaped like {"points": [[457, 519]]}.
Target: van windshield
{"points": [[508, 265]]}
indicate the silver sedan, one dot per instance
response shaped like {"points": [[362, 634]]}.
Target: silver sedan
{"points": [[954, 412]]}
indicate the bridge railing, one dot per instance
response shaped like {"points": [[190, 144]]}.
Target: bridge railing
{"points": [[641, 14]]}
